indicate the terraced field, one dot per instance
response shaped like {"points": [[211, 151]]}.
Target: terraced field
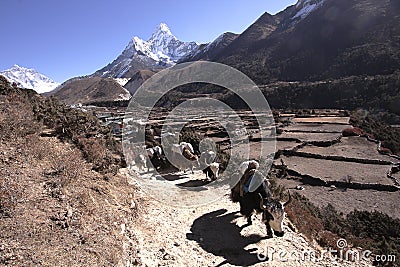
{"points": [[346, 172]]}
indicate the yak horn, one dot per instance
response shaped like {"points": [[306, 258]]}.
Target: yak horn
{"points": [[288, 201]]}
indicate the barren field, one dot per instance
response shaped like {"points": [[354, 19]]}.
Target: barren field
{"points": [[317, 169], [282, 145], [316, 119], [330, 170], [351, 147], [347, 200], [317, 127], [310, 136]]}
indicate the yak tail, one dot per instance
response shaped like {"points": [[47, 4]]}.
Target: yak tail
{"points": [[235, 193]]}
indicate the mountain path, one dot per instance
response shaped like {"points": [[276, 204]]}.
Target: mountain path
{"points": [[213, 235]]}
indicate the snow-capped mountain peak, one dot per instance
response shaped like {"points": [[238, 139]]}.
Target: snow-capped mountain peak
{"points": [[305, 7], [29, 78], [161, 49], [166, 47], [162, 29]]}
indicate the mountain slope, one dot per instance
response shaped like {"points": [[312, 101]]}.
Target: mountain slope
{"points": [[93, 89], [319, 39], [29, 79], [137, 80], [62, 202], [210, 50]]}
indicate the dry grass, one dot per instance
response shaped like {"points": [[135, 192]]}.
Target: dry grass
{"points": [[66, 165], [67, 215], [54, 209], [16, 119]]}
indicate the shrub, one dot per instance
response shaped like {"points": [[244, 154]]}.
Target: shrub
{"points": [[389, 136], [352, 132], [305, 216], [66, 166], [95, 151], [33, 147], [16, 119], [374, 231]]}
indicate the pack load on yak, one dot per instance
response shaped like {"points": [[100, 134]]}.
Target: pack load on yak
{"points": [[253, 194]]}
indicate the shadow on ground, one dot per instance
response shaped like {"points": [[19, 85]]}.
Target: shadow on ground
{"points": [[217, 233], [193, 182]]}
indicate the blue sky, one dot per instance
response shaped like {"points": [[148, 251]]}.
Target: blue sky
{"points": [[67, 38]]}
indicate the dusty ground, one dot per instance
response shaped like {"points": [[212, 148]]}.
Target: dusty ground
{"points": [[351, 147], [310, 136], [330, 170], [214, 235], [347, 200], [322, 119]]}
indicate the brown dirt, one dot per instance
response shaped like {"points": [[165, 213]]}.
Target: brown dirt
{"points": [[332, 119], [347, 200], [309, 137], [314, 127], [351, 147], [286, 145], [330, 170], [213, 235]]}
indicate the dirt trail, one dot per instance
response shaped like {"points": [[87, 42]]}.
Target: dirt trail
{"points": [[214, 235]]}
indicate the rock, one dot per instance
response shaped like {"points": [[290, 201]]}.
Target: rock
{"points": [[299, 187], [352, 132], [69, 212], [133, 204]]}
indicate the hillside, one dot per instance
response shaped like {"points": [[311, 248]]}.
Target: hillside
{"points": [[137, 80], [210, 50], [62, 200], [86, 90], [339, 38]]}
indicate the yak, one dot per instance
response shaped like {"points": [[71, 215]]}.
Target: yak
{"points": [[260, 199]]}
